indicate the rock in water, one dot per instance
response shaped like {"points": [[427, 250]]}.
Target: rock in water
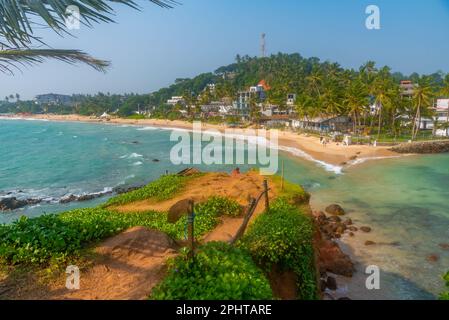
{"points": [[433, 258], [332, 259], [331, 283], [365, 229], [335, 210], [12, 203]]}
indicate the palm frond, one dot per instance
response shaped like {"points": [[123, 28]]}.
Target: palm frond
{"points": [[11, 59], [17, 17]]}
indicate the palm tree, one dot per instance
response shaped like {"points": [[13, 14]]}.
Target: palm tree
{"points": [[356, 99], [17, 29], [422, 97], [444, 92], [314, 80]]}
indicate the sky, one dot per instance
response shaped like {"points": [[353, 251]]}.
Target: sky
{"points": [[151, 48]]}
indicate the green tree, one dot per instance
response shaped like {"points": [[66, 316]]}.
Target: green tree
{"points": [[18, 20], [422, 99]]}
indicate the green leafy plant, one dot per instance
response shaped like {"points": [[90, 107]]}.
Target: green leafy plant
{"points": [[283, 237], [162, 189], [219, 272], [445, 295], [220, 206], [56, 237]]}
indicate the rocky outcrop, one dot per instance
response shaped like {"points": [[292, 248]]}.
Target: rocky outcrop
{"points": [[12, 203], [84, 197], [336, 210], [332, 259], [423, 147]]}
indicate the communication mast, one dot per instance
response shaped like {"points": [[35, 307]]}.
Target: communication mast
{"points": [[263, 46]]}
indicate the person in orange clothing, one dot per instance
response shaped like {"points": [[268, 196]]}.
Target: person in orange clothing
{"points": [[235, 172]]}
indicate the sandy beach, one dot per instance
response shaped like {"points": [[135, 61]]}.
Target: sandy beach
{"points": [[308, 147]]}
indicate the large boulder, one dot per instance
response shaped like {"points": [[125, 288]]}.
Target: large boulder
{"points": [[335, 210], [12, 203], [332, 259]]}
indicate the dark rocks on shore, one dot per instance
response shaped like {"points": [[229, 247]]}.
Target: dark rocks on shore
{"points": [[444, 246], [125, 189], [331, 283], [332, 259], [365, 229], [427, 147], [369, 243], [335, 210], [68, 199], [335, 219], [8, 204], [433, 258], [84, 197]]}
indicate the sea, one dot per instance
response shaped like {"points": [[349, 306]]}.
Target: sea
{"points": [[404, 200]]}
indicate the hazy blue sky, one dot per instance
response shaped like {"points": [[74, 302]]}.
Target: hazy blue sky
{"points": [[149, 49]]}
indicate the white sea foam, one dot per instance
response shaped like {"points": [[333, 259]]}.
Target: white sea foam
{"points": [[138, 163], [147, 129], [134, 156], [19, 118], [299, 153], [362, 160]]}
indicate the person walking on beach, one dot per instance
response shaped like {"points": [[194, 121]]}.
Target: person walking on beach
{"points": [[235, 172]]}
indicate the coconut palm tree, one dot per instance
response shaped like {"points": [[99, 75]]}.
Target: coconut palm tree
{"points": [[422, 98], [18, 19], [444, 92], [356, 100]]}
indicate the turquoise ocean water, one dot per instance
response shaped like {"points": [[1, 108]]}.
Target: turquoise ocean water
{"points": [[404, 200]]}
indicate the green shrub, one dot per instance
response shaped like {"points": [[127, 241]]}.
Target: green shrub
{"points": [[162, 189], [283, 237], [136, 117], [56, 237], [219, 272], [220, 206], [445, 295]]}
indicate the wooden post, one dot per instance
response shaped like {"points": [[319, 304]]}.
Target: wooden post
{"points": [[249, 213], [191, 230], [282, 180], [267, 200]]}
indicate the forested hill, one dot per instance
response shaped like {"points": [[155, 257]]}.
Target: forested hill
{"points": [[326, 84], [285, 73]]}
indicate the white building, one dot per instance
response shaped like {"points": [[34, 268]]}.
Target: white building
{"points": [[442, 116], [175, 100], [291, 99]]}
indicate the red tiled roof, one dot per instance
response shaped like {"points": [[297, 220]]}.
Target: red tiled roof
{"points": [[264, 84]]}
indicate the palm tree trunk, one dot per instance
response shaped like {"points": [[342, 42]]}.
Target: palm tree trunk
{"points": [[380, 122], [417, 118]]}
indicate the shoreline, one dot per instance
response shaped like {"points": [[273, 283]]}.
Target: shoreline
{"points": [[333, 157]]}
